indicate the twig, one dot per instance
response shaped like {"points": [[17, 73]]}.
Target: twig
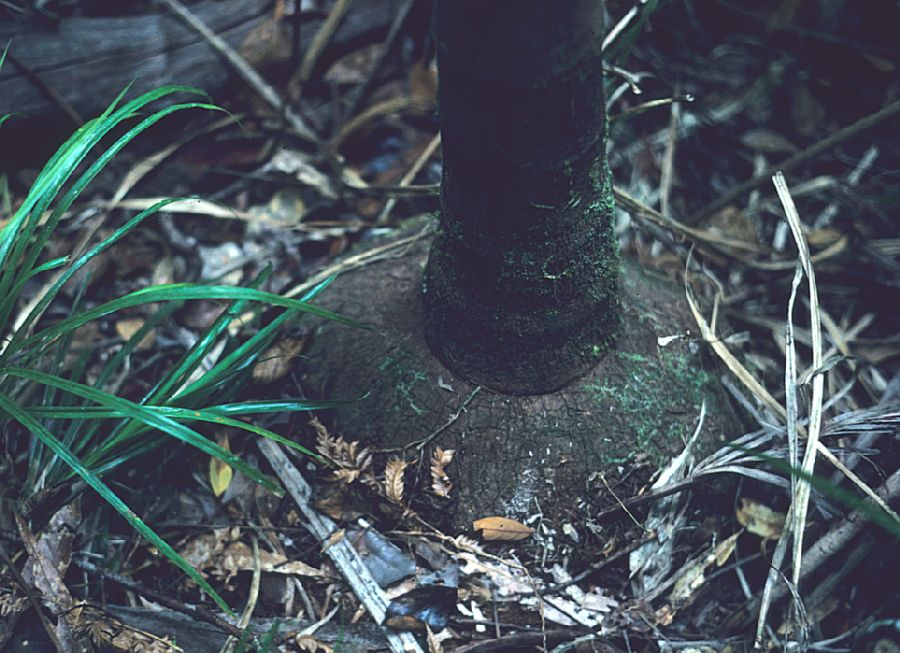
{"points": [[231, 642], [47, 90], [244, 70], [649, 497], [29, 594], [362, 91], [320, 40], [839, 536], [667, 166], [344, 556], [520, 642], [197, 612], [809, 153], [409, 177], [422, 443]]}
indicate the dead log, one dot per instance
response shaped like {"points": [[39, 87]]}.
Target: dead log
{"points": [[87, 61]]}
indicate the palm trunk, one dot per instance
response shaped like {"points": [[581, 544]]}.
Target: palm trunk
{"points": [[520, 288]]}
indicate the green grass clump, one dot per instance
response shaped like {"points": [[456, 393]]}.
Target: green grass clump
{"points": [[67, 426]]}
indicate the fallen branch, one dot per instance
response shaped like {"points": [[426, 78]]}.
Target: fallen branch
{"points": [[344, 556]]}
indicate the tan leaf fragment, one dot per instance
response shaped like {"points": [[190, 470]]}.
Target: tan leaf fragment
{"points": [[220, 473], [393, 479], [760, 520], [693, 577], [277, 360], [108, 632], [352, 463], [440, 482], [502, 528], [127, 327], [311, 644]]}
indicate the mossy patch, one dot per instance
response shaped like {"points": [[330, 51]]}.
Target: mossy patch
{"points": [[658, 397], [398, 370]]}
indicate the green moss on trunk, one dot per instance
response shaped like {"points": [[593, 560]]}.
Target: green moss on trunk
{"points": [[520, 290]]}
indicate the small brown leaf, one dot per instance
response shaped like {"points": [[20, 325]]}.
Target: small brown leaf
{"points": [[440, 482], [501, 528], [393, 479], [310, 644], [128, 326], [277, 360], [760, 520]]}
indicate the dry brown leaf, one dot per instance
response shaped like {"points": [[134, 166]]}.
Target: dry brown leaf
{"points": [[440, 482], [333, 539], [760, 520], [423, 86], [220, 473], [127, 327], [694, 575], [664, 615], [824, 237], [501, 528], [277, 361], [108, 632], [351, 462], [311, 644], [393, 479]]}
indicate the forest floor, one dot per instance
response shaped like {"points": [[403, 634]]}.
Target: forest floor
{"points": [[706, 102]]}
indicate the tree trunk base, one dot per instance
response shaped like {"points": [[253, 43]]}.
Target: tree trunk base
{"points": [[515, 455]]}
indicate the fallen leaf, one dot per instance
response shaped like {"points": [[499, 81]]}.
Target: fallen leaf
{"points": [[277, 361], [694, 575], [310, 644], [440, 482], [220, 473], [393, 479], [501, 528], [760, 520], [129, 326]]}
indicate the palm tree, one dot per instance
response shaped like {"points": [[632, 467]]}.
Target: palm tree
{"points": [[521, 284]]}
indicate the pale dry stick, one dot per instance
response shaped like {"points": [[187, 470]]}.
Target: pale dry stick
{"points": [[320, 40], [394, 105], [668, 162], [792, 434], [409, 177], [342, 554], [623, 23], [698, 236], [830, 543], [790, 382], [841, 344], [244, 70], [807, 465], [244, 621], [770, 588], [651, 104], [736, 368], [809, 153], [852, 180], [362, 91]]}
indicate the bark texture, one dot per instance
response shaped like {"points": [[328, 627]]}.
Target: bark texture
{"points": [[515, 454], [520, 290]]}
